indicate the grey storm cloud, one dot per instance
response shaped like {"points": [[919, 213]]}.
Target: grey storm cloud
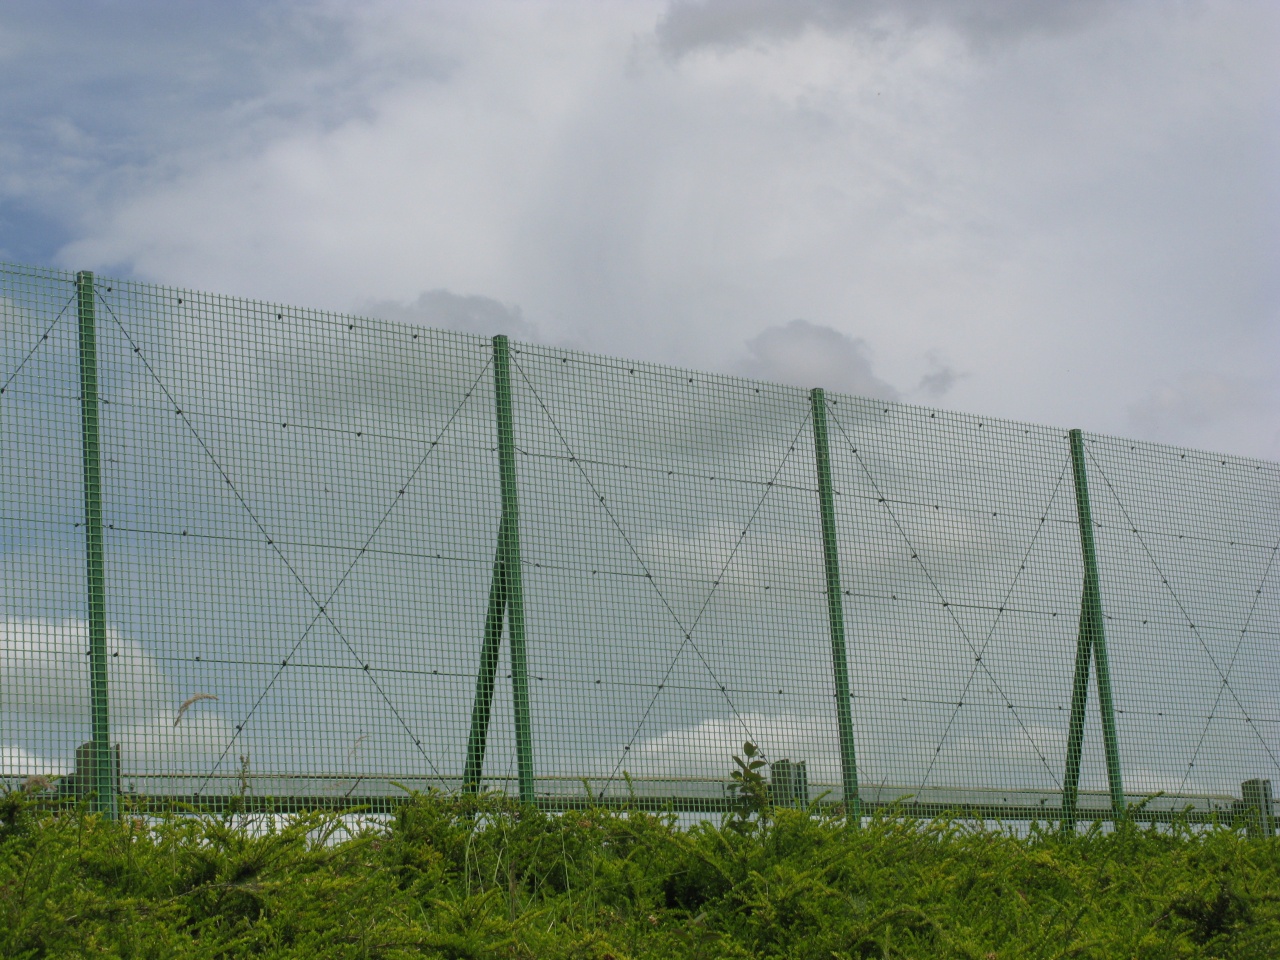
{"points": [[1197, 405], [804, 354], [691, 24], [938, 381]]}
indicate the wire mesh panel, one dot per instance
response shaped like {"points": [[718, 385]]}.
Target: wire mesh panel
{"points": [[298, 512], [307, 558], [962, 566], [1187, 545], [44, 674], [674, 573]]}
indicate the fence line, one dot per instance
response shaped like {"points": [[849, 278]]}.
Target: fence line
{"points": [[266, 555]]}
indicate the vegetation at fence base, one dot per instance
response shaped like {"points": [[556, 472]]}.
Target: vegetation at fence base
{"points": [[480, 877]]}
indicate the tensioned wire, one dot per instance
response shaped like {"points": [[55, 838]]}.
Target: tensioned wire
{"points": [[1164, 580], [32, 352], [973, 671], [915, 555], [693, 626], [690, 628], [321, 605], [1235, 653], [1226, 684], [1176, 542]]}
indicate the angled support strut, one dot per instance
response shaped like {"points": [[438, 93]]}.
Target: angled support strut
{"points": [[506, 602], [835, 609], [1091, 644]]}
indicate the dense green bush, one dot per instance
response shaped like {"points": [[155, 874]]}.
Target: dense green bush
{"points": [[481, 877]]}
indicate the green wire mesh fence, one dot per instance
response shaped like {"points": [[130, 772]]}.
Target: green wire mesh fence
{"points": [[253, 553]]}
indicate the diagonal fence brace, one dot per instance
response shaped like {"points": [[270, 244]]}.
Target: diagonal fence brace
{"points": [[506, 602], [1091, 645]]}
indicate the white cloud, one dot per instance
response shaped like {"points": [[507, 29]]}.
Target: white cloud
{"points": [[44, 702], [15, 762], [193, 746], [444, 310], [1071, 205], [685, 751], [44, 671]]}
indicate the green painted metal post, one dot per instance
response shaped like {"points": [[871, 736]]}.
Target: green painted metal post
{"points": [[1092, 641], [835, 609], [512, 568], [488, 671], [103, 788], [1075, 730]]}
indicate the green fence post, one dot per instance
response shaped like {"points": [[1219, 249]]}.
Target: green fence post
{"points": [[1092, 640], [488, 670], [513, 579], [1075, 729], [103, 783], [835, 608]]}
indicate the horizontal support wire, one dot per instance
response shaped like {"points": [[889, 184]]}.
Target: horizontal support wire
{"points": [[986, 641], [299, 553], [37, 345], [321, 605], [1226, 683], [686, 630], [964, 634]]}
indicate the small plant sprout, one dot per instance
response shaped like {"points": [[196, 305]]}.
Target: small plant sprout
{"points": [[752, 789]]}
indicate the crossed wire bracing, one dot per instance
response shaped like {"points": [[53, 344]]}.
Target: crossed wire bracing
{"points": [[321, 605], [946, 603], [686, 599], [1224, 676], [687, 630]]}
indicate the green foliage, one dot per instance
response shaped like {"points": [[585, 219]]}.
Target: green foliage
{"points": [[753, 802], [482, 877]]}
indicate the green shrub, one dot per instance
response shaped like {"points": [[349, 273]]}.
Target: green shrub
{"points": [[482, 877]]}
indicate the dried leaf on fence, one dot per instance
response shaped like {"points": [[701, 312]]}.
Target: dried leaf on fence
{"points": [[187, 703]]}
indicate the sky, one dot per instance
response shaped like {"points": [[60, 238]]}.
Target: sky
{"points": [[1066, 213], [1059, 212]]}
